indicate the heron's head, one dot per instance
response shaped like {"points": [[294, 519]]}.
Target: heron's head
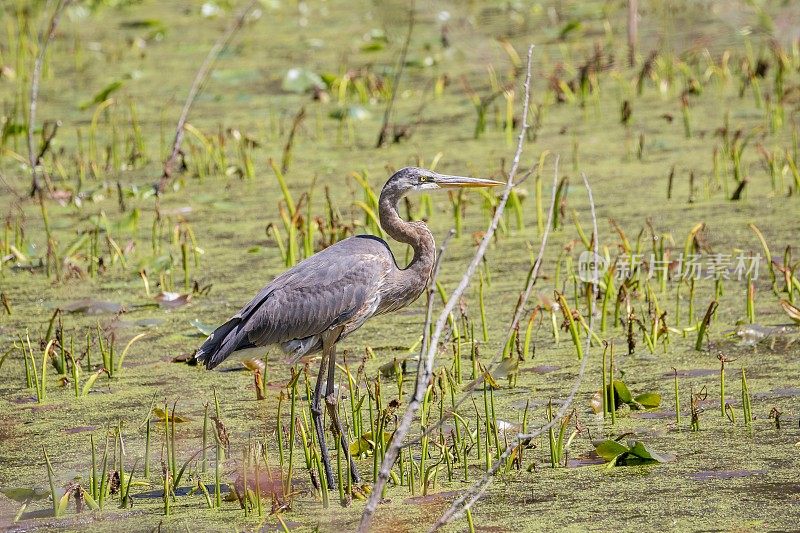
{"points": [[411, 179]]}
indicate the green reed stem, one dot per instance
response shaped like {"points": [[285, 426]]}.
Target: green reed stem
{"points": [[748, 413], [677, 399], [484, 324]]}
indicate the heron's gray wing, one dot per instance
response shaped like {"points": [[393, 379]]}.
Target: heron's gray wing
{"points": [[326, 290], [329, 295]]}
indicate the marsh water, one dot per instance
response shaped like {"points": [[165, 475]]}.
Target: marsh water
{"points": [[703, 128]]}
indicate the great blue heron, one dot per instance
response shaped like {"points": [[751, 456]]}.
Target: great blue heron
{"points": [[326, 297]]}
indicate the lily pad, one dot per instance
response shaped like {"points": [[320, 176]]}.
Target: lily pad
{"points": [[23, 494], [89, 306], [624, 398], [634, 453], [205, 329], [300, 80], [623, 394], [648, 400], [172, 300], [610, 449], [640, 450], [352, 112]]}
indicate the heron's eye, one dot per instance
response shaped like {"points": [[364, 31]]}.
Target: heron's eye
{"points": [[423, 179]]}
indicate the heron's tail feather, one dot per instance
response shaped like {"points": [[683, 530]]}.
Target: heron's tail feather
{"points": [[225, 340]]}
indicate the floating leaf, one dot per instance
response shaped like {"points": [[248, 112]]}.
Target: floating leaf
{"points": [[648, 400], [635, 453], [92, 307], [22, 495], [623, 398], [205, 329], [623, 394], [352, 112], [375, 40], [373, 46], [610, 449], [640, 450], [300, 80], [171, 300]]}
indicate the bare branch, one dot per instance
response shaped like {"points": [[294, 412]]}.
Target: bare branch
{"points": [[532, 278], [431, 291], [433, 345], [33, 157], [197, 85], [426, 328], [466, 500]]}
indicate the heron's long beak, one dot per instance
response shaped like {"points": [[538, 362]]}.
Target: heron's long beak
{"points": [[451, 182]]}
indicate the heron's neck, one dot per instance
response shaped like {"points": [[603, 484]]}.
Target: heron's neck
{"points": [[415, 234]]}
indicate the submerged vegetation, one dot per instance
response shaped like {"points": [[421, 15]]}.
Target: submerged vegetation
{"points": [[130, 229]]}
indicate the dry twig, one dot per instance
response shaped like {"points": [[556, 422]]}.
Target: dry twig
{"points": [[432, 346], [465, 501], [197, 86], [33, 155], [384, 133]]}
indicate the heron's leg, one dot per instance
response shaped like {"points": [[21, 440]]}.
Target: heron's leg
{"points": [[316, 415], [331, 403]]}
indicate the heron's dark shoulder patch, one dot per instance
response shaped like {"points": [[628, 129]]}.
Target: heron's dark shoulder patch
{"points": [[371, 241], [362, 244], [371, 238]]}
